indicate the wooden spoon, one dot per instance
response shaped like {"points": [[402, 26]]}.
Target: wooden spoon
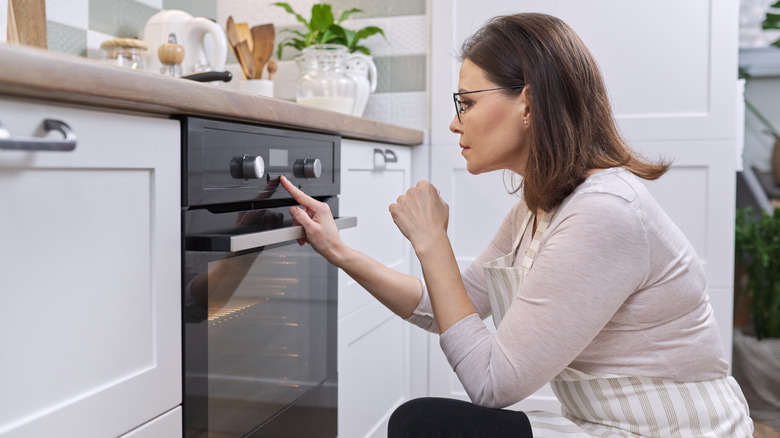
{"points": [[263, 36], [244, 34], [232, 34], [245, 58]]}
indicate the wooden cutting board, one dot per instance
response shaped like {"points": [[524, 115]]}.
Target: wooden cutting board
{"points": [[27, 23]]}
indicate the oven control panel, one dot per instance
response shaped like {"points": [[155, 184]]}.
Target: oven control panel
{"points": [[228, 162]]}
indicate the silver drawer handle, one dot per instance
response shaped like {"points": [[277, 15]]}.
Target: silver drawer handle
{"points": [[244, 242], [68, 143]]}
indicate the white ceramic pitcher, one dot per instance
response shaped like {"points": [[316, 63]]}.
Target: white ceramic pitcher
{"points": [[191, 33], [363, 70]]}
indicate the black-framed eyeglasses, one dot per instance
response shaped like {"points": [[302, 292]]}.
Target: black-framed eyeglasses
{"points": [[461, 109]]}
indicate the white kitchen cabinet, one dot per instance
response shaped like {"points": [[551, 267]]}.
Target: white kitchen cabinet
{"points": [[166, 425], [90, 269], [674, 94], [373, 343]]}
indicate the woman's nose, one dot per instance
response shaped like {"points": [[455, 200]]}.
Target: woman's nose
{"points": [[455, 125]]}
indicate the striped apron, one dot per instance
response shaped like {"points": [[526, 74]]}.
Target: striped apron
{"points": [[614, 405], [503, 279]]}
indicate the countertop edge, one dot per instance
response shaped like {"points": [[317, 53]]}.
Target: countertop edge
{"points": [[54, 77]]}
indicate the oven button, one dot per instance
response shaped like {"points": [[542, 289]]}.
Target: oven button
{"points": [[307, 168], [247, 167]]}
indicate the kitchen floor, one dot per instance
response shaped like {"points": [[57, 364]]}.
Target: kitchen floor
{"points": [[763, 430]]}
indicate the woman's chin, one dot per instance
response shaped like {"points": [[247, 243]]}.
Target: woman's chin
{"points": [[474, 170]]}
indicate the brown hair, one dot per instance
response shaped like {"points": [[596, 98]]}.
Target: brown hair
{"points": [[571, 125]]}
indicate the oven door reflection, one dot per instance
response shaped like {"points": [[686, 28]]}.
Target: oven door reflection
{"points": [[259, 339]]}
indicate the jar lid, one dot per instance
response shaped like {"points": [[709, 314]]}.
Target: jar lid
{"points": [[125, 43]]}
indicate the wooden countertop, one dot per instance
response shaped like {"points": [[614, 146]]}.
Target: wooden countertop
{"points": [[55, 77]]}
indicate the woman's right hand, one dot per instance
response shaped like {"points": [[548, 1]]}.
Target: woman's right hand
{"points": [[317, 221]]}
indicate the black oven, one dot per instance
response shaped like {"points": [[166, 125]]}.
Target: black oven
{"points": [[259, 311]]}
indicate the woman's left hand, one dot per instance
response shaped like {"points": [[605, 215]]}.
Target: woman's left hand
{"points": [[421, 214]]}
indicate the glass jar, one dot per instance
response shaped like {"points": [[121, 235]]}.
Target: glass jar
{"points": [[124, 52], [325, 83]]}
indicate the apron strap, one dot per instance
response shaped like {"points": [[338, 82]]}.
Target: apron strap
{"points": [[541, 227], [520, 235]]}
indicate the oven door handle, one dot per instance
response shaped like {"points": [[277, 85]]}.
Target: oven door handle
{"points": [[243, 242]]}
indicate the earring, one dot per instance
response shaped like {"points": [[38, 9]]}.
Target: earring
{"points": [[525, 122]]}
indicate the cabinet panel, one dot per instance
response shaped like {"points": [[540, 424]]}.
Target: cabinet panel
{"points": [[369, 184], [373, 369], [167, 425], [374, 344], [90, 266]]}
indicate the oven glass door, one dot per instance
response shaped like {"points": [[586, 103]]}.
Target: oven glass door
{"points": [[259, 329]]}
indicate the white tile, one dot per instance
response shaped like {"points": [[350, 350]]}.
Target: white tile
{"points": [[409, 110], [94, 40], [255, 13], [74, 13], [153, 3], [406, 35]]}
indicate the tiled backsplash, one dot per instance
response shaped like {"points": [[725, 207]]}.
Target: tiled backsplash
{"points": [[78, 27], [401, 59]]}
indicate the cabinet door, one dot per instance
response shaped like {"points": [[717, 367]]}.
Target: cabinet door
{"points": [[373, 342], [674, 94], [165, 426], [90, 269]]}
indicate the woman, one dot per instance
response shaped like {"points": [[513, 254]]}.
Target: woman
{"points": [[591, 286]]}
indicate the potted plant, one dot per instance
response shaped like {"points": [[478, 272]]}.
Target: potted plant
{"points": [[322, 28], [757, 346], [772, 21]]}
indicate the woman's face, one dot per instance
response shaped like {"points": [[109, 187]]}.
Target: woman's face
{"points": [[492, 133]]}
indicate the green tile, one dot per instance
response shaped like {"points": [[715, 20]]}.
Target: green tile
{"points": [[196, 8], [400, 73], [120, 18], [374, 8], [66, 39]]}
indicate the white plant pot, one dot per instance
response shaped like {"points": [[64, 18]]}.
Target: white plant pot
{"points": [[756, 367]]}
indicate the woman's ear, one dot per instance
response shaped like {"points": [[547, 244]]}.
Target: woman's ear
{"points": [[524, 107]]}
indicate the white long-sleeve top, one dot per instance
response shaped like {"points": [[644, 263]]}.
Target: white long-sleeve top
{"points": [[615, 288]]}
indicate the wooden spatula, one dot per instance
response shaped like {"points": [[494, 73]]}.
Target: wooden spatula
{"points": [[263, 36], [244, 34], [245, 58], [232, 34]]}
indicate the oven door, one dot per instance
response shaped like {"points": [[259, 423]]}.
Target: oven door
{"points": [[259, 328]]}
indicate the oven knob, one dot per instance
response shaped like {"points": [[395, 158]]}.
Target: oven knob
{"points": [[307, 168], [247, 167]]}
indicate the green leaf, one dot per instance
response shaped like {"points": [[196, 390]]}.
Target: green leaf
{"points": [[757, 247], [322, 29], [289, 9], [346, 14], [772, 329], [331, 37], [321, 17], [772, 21], [368, 31], [349, 38], [337, 35], [362, 49]]}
